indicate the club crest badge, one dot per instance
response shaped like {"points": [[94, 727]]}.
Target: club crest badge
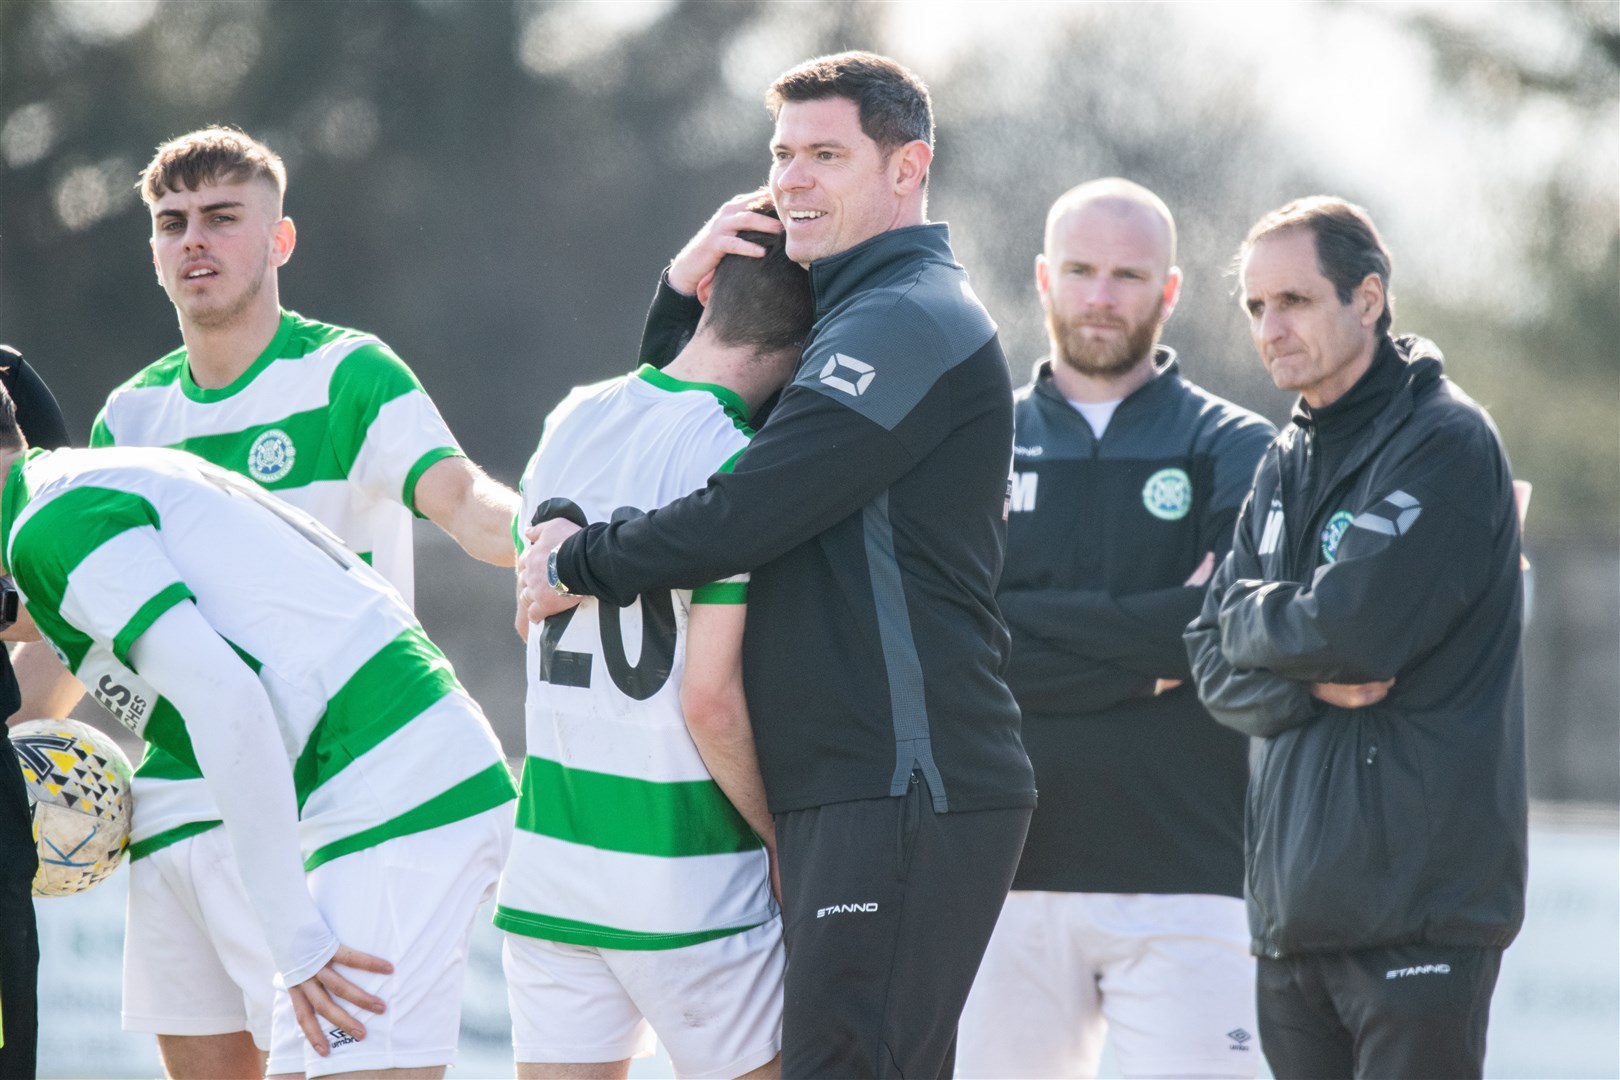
{"points": [[1168, 494], [1333, 532], [271, 456]]}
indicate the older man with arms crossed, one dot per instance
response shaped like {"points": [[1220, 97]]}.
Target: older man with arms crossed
{"points": [[870, 511], [1366, 628], [1126, 914]]}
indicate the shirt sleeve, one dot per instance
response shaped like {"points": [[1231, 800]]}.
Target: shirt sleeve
{"points": [[385, 429], [1142, 632], [238, 746], [798, 478], [1407, 568], [38, 414], [90, 565], [671, 320], [1255, 702]]}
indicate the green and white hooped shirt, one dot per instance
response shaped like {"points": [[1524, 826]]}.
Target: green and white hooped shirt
{"points": [[326, 418], [381, 738], [623, 839]]}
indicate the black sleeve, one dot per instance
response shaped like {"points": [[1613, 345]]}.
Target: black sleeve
{"points": [[38, 415], [795, 481], [1407, 569], [792, 483], [1257, 703], [1139, 632], [1049, 679], [671, 319]]}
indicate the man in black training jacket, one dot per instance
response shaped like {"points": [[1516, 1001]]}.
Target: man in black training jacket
{"points": [[41, 422], [1126, 915], [870, 510], [1366, 628]]}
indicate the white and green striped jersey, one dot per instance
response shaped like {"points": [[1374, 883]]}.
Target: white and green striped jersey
{"points": [[381, 738], [327, 418], [623, 839]]}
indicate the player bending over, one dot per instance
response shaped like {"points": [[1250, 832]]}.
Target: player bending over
{"points": [[363, 792]]}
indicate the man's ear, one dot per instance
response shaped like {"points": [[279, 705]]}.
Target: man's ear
{"points": [[1172, 291], [283, 238], [1369, 299], [705, 286], [910, 163]]}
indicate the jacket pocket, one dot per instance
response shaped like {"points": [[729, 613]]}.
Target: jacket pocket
{"points": [[1369, 784]]}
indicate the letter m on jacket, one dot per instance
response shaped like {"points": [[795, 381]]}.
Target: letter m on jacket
{"points": [[1023, 490]]}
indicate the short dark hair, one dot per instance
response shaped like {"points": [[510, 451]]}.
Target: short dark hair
{"points": [[764, 304], [208, 156], [11, 436], [894, 105], [1348, 246]]}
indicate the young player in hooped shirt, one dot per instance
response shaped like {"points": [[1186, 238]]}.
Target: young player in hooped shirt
{"points": [[367, 827], [327, 419], [637, 898]]}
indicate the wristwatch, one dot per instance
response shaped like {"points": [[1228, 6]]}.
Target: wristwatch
{"points": [[9, 603], [551, 575]]}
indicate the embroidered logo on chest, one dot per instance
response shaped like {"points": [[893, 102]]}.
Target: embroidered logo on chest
{"points": [[1333, 532], [1168, 494], [271, 456]]}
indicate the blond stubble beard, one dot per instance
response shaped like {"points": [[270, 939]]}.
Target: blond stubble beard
{"points": [[1103, 359]]}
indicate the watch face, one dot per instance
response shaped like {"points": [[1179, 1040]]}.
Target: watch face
{"points": [[9, 603], [551, 571]]}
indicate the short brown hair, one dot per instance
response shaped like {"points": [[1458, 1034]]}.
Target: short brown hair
{"points": [[764, 304], [1348, 246], [208, 156], [893, 103]]}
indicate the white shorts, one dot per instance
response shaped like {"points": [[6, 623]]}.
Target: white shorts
{"points": [[1170, 975], [412, 901], [195, 958], [717, 1005]]}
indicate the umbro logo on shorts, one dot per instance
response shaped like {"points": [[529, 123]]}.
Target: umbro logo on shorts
{"points": [[1240, 1039], [840, 909], [1421, 969], [340, 1037]]}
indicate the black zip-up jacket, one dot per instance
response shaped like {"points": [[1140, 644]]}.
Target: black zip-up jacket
{"points": [[1139, 793], [40, 419], [871, 512], [1402, 822]]}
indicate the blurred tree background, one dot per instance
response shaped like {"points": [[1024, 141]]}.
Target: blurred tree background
{"points": [[492, 187]]}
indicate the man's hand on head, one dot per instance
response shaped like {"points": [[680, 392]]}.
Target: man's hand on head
{"points": [[1352, 695], [718, 238], [535, 593]]}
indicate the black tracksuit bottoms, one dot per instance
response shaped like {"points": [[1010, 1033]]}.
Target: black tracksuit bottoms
{"points": [[887, 909], [19, 939], [1387, 1013]]}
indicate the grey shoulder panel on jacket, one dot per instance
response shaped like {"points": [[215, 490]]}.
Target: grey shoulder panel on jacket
{"points": [[887, 348]]}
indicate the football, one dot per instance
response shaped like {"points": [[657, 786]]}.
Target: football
{"points": [[79, 794]]}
